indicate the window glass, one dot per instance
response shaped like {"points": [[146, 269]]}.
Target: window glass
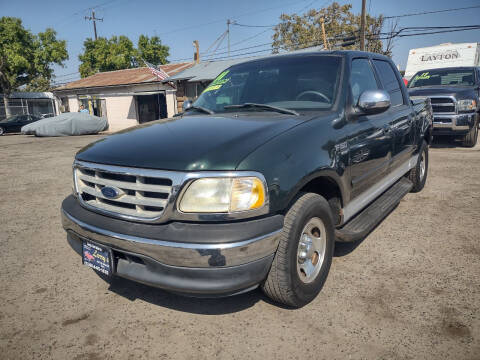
{"points": [[389, 81], [361, 78], [450, 77], [306, 82], [17, 118]]}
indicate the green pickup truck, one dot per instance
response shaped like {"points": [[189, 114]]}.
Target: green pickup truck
{"points": [[253, 184]]}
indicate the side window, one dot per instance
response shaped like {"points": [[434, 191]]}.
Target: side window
{"points": [[361, 78], [389, 81]]}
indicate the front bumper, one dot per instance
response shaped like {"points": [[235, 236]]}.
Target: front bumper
{"points": [[197, 259], [454, 124]]}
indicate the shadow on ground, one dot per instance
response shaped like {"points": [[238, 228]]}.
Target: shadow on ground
{"points": [[445, 142], [204, 306], [209, 306]]}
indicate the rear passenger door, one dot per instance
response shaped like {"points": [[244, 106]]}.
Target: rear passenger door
{"points": [[399, 113], [370, 142]]}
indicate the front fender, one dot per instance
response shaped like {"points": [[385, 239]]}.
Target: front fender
{"points": [[301, 154]]}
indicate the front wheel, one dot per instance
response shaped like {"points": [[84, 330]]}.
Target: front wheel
{"points": [[470, 140], [418, 175], [304, 254], [2, 131]]}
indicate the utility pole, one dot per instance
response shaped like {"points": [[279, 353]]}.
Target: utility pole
{"points": [[228, 35], [93, 18], [363, 23], [196, 56], [325, 45]]}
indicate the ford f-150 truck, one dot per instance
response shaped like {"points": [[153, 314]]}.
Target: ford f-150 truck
{"points": [[454, 94], [276, 160]]}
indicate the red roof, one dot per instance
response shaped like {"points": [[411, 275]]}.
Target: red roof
{"points": [[125, 77]]}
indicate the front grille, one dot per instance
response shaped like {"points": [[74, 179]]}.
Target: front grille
{"points": [[135, 194], [443, 105]]}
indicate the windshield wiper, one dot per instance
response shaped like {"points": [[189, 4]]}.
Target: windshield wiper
{"points": [[263, 107], [200, 108]]}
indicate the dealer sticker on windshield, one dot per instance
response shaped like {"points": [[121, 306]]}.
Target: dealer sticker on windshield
{"points": [[96, 257], [218, 82]]}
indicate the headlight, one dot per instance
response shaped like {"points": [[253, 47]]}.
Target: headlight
{"points": [[466, 105], [223, 195]]}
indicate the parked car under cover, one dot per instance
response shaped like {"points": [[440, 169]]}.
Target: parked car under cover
{"points": [[67, 124], [14, 123]]}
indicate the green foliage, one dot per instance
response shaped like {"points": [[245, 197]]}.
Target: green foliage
{"points": [[296, 32], [152, 50], [39, 83], [119, 53], [106, 55], [26, 57]]}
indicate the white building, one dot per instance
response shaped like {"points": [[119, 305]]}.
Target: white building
{"points": [[125, 97]]}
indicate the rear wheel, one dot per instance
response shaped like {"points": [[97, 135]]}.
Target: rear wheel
{"points": [[470, 140], [304, 254], [418, 175], [2, 131]]}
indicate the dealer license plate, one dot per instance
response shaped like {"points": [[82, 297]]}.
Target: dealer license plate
{"points": [[96, 257]]}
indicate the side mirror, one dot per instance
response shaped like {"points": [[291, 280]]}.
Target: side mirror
{"points": [[187, 104], [374, 101]]}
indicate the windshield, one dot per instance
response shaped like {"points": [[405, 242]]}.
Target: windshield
{"points": [[451, 77], [306, 82]]}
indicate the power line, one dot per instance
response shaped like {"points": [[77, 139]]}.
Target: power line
{"points": [[254, 26], [246, 39], [81, 12], [222, 20], [63, 75], [431, 12], [269, 27], [317, 42], [272, 26]]}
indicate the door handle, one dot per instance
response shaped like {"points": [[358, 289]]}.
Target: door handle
{"points": [[387, 129]]}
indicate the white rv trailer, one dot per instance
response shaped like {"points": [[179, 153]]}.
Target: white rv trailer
{"points": [[443, 55]]}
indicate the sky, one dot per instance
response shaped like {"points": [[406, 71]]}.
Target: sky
{"points": [[179, 23]]}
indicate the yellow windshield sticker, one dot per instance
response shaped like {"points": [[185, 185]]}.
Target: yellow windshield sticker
{"points": [[425, 75], [218, 82]]}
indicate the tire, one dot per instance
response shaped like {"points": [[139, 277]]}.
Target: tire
{"points": [[418, 175], [287, 281], [2, 131], [470, 140]]}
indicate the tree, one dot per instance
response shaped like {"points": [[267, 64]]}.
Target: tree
{"points": [[25, 57], [300, 31], [152, 50], [119, 53], [105, 54]]}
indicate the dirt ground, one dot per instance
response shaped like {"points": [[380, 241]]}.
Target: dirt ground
{"points": [[410, 290]]}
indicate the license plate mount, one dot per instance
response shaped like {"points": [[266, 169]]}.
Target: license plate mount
{"points": [[97, 257]]}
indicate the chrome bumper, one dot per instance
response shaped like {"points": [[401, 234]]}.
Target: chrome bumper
{"points": [[177, 253], [454, 122]]}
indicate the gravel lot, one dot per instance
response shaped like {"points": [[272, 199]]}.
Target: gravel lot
{"points": [[410, 290]]}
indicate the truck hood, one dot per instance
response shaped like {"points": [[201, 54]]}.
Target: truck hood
{"points": [[196, 142], [459, 92]]}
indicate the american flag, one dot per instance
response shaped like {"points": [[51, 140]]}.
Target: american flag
{"points": [[158, 72]]}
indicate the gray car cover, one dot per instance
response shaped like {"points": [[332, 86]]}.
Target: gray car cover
{"points": [[67, 124]]}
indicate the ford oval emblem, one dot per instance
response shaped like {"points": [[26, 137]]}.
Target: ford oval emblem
{"points": [[111, 192]]}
